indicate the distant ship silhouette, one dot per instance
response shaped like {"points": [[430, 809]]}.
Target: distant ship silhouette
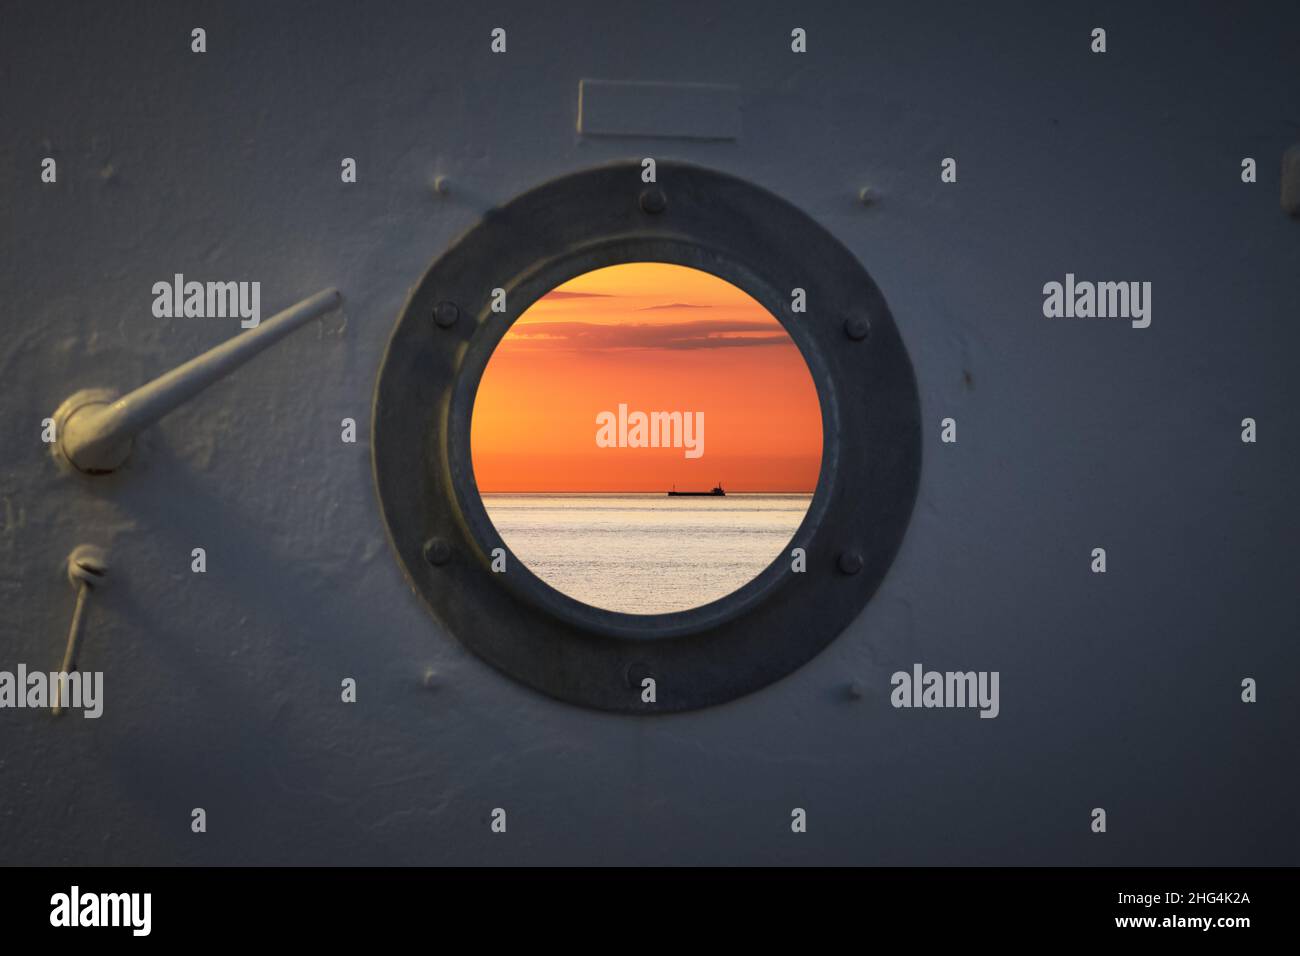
{"points": [[717, 492]]}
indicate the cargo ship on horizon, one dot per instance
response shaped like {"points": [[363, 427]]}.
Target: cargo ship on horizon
{"points": [[717, 492]]}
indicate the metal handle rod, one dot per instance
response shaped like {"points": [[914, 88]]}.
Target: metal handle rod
{"points": [[74, 645], [87, 568], [95, 430]]}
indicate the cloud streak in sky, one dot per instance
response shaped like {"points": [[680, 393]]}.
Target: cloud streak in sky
{"points": [[701, 334], [558, 294]]}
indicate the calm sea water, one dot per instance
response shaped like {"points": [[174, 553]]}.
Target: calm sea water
{"points": [[646, 554]]}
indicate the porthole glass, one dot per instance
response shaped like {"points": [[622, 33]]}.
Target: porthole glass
{"points": [[646, 438]]}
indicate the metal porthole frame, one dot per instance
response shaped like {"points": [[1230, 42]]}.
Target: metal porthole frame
{"points": [[436, 520]]}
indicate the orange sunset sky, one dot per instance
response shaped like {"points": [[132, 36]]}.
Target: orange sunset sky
{"points": [[657, 337]]}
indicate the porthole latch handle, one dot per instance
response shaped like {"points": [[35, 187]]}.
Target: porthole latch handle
{"points": [[87, 568], [94, 430]]}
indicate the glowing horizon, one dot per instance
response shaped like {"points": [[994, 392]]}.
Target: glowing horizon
{"points": [[653, 337]]}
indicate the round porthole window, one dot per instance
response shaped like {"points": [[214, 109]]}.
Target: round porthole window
{"points": [[646, 438], [646, 447]]}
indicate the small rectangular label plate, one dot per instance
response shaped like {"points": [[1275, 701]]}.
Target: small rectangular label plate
{"points": [[667, 110]]}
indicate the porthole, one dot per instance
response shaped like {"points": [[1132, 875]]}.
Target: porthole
{"points": [[456, 557], [646, 438]]}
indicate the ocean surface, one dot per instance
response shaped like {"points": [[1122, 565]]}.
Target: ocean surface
{"points": [[646, 554]]}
